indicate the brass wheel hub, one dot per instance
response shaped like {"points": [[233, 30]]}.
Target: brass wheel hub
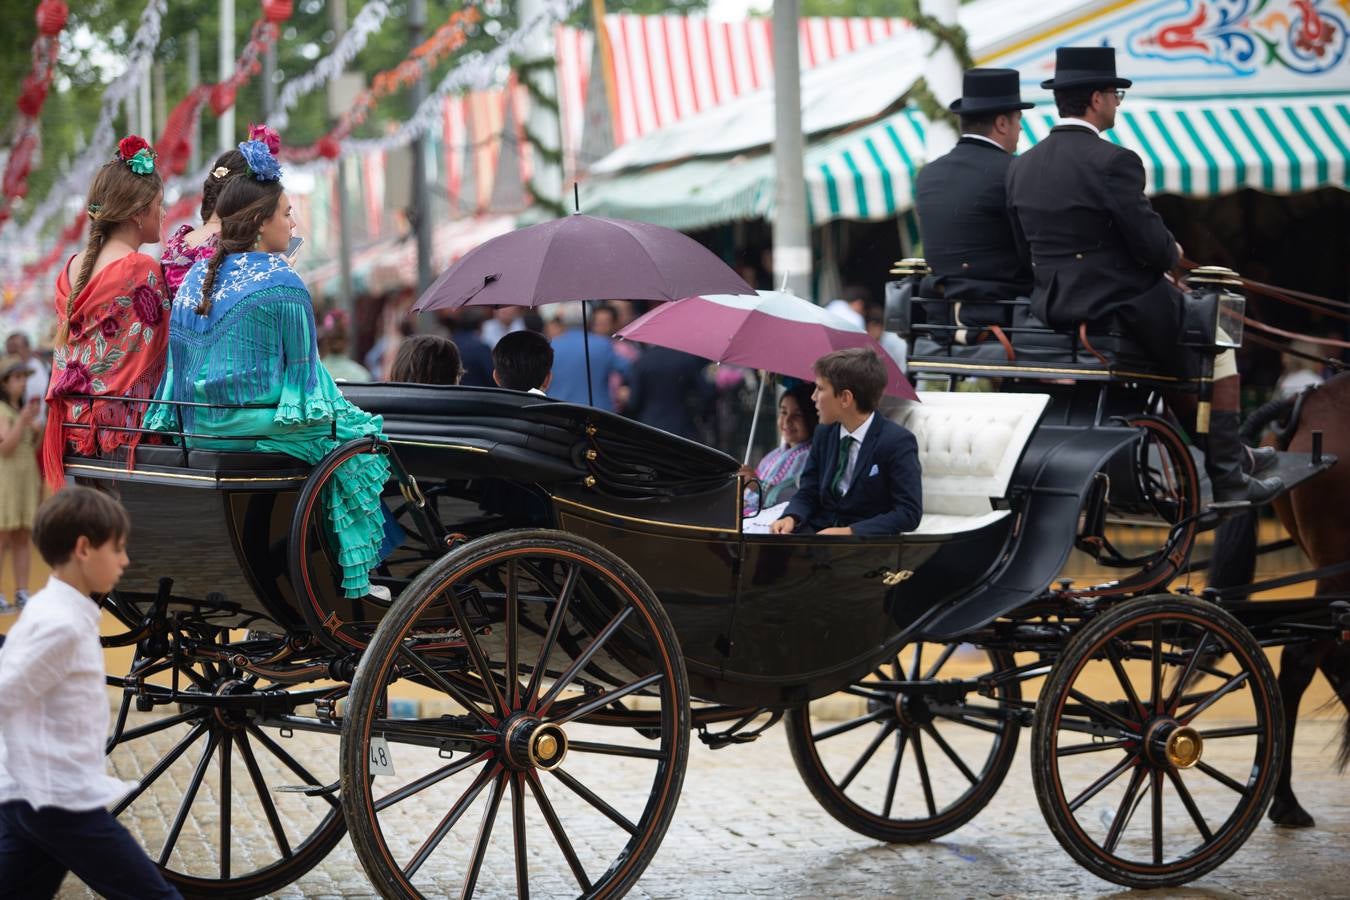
{"points": [[532, 744], [1172, 745]]}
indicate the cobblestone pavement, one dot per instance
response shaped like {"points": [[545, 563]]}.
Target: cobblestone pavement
{"points": [[747, 826]]}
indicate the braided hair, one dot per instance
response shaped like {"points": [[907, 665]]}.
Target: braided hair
{"points": [[227, 165], [117, 196], [244, 205]]}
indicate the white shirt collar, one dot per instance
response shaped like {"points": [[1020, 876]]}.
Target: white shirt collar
{"points": [[86, 608], [1070, 120], [536, 391], [987, 140], [860, 433]]}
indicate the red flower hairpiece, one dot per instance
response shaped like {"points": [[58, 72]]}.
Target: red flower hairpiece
{"points": [[267, 136], [130, 145]]}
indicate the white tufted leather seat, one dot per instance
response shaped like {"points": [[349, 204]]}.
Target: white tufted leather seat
{"points": [[969, 445]]}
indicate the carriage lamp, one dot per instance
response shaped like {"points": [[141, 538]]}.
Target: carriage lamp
{"points": [[898, 318], [1213, 309]]}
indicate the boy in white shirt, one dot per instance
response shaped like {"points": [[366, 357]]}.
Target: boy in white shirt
{"points": [[54, 783]]}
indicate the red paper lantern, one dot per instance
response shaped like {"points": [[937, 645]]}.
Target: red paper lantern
{"points": [[4, 215], [51, 17], [277, 11], [222, 98], [329, 147], [31, 98]]}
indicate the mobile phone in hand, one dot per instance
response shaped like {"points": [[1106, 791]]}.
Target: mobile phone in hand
{"points": [[294, 247]]}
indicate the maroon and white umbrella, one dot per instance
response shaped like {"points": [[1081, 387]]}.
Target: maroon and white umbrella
{"points": [[769, 330]]}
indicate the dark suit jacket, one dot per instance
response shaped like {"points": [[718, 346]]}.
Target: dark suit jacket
{"points": [[886, 494], [1082, 220], [968, 240], [669, 391]]}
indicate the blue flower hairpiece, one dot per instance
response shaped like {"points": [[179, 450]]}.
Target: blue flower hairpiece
{"points": [[262, 165]]}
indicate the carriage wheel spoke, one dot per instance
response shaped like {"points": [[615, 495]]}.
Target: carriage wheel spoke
{"points": [[923, 774], [518, 836], [1221, 778], [551, 637], [265, 798], [289, 762], [1175, 697], [120, 723], [1125, 811], [1189, 802], [1100, 784], [1075, 749], [865, 694], [1102, 712], [160, 768], [225, 806], [1155, 700], [1239, 731], [484, 835], [867, 755], [916, 662], [901, 737], [616, 750], [593, 799], [480, 661], [606, 698], [167, 722], [444, 684], [945, 655], [583, 660], [1232, 684], [185, 805], [512, 636], [1113, 654], [448, 821], [559, 834], [429, 779], [951, 754], [1155, 788], [850, 724]]}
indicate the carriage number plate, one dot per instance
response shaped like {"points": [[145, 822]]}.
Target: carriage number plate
{"points": [[381, 762]]}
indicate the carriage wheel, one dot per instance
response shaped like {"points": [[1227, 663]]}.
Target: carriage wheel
{"points": [[1157, 741], [551, 684], [914, 764], [216, 804]]}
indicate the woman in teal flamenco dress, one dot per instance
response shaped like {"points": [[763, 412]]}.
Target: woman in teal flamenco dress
{"points": [[241, 332]]}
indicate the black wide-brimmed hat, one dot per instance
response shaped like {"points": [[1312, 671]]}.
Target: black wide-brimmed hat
{"points": [[987, 91], [1085, 67]]}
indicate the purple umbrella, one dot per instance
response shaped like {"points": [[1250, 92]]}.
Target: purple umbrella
{"points": [[581, 258]]}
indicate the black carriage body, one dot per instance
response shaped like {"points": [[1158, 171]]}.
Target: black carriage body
{"points": [[763, 620]]}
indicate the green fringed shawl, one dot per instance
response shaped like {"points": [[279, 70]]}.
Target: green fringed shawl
{"points": [[257, 347]]}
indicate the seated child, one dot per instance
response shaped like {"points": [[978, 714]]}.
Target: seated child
{"points": [[523, 361], [54, 782], [862, 476], [427, 359]]}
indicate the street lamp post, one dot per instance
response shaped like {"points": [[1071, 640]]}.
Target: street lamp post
{"points": [[791, 235]]}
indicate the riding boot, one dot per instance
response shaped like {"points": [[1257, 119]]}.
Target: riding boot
{"points": [[1224, 458], [1260, 459]]}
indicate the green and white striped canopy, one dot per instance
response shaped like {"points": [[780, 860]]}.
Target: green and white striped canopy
{"points": [[1196, 149], [1193, 148]]}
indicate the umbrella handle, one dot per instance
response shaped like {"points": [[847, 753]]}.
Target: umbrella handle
{"points": [[754, 419], [586, 349]]}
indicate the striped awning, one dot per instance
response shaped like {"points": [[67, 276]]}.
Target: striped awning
{"points": [[1195, 149]]}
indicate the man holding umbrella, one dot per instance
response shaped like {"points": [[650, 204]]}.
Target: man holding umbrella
{"points": [[1099, 251], [962, 204]]}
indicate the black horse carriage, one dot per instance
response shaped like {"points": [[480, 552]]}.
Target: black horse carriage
{"points": [[578, 593]]}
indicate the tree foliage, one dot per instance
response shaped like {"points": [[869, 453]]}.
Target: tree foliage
{"points": [[100, 31]]}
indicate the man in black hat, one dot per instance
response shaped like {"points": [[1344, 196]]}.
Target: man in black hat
{"points": [[962, 204], [1099, 251]]}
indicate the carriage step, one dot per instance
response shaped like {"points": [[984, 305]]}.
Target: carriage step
{"points": [[310, 790]]}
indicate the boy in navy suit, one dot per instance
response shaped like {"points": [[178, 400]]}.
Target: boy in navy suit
{"points": [[862, 476]]}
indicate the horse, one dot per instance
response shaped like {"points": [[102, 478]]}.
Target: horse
{"points": [[1314, 516]]}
